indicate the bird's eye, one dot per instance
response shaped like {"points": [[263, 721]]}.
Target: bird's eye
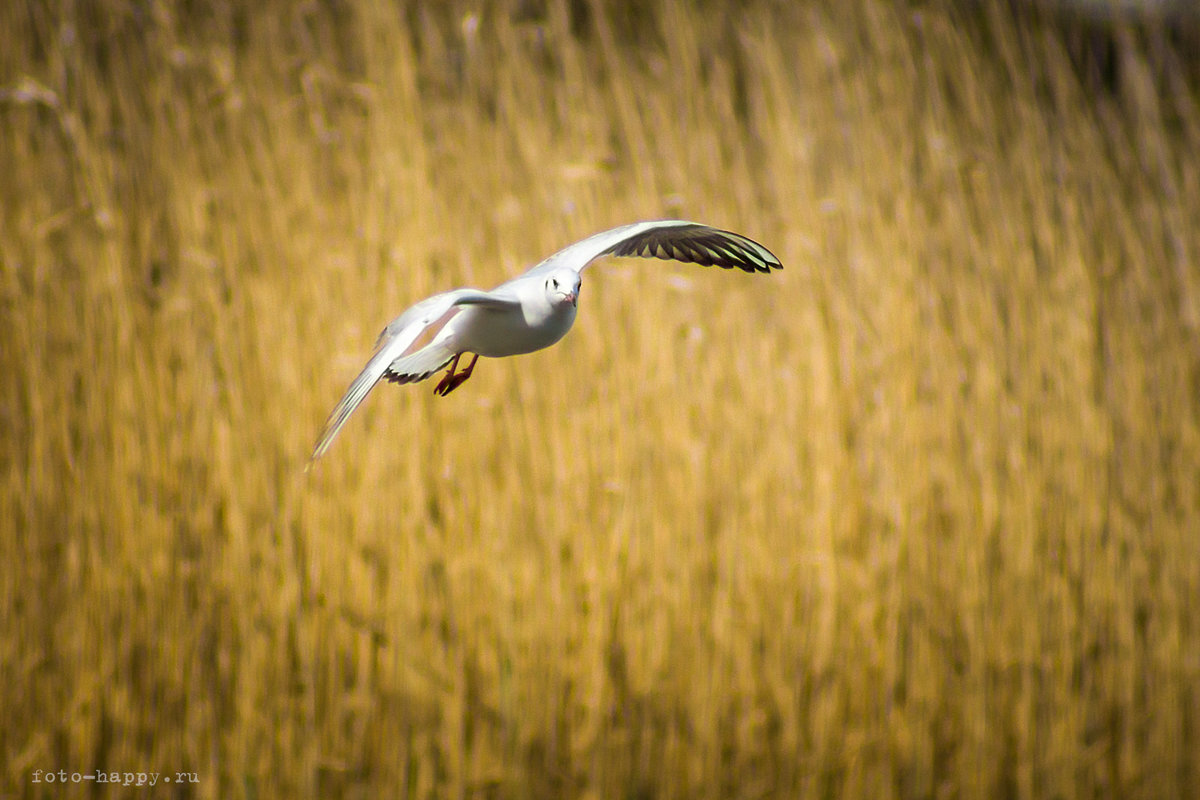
{"points": [[554, 282]]}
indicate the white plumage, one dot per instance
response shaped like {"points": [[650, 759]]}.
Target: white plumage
{"points": [[527, 313]]}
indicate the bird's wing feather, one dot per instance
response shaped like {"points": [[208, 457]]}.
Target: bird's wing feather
{"points": [[406, 339], [431, 308], [670, 239]]}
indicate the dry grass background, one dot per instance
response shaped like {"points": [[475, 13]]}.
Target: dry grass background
{"points": [[916, 517]]}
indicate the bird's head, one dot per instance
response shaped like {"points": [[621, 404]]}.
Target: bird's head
{"points": [[562, 287]]}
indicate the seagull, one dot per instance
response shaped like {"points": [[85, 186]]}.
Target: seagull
{"points": [[527, 313]]}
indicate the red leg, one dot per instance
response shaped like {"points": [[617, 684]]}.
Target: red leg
{"points": [[451, 382], [466, 373], [444, 384]]}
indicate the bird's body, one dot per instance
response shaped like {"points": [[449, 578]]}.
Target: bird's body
{"points": [[526, 313], [500, 332]]}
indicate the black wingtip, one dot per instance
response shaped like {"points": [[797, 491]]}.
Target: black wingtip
{"points": [[700, 244]]}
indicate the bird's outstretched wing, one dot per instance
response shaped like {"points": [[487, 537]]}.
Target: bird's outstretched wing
{"points": [[406, 352], [670, 239]]}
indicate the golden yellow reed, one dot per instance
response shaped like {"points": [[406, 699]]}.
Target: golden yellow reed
{"points": [[915, 518]]}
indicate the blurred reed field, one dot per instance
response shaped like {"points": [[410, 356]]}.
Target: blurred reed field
{"points": [[916, 517]]}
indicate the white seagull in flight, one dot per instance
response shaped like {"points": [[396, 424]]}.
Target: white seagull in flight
{"points": [[526, 313]]}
